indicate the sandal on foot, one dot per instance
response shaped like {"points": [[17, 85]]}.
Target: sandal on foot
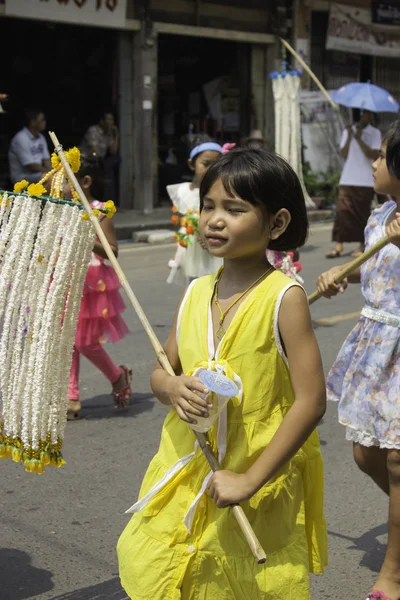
{"points": [[122, 397], [376, 595], [334, 254], [74, 410]]}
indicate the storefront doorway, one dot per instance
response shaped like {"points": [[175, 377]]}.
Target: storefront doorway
{"points": [[68, 71], [204, 88]]}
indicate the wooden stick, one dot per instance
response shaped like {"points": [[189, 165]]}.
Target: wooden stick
{"points": [[353, 265], [311, 74], [241, 518]]}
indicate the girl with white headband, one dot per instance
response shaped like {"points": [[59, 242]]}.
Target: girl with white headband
{"points": [[194, 260]]}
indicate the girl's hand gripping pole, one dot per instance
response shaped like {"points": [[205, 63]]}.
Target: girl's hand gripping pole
{"points": [[353, 265]]}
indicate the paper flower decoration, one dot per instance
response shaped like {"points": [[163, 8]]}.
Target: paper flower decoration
{"points": [[20, 186], [73, 156], [36, 189], [109, 206]]}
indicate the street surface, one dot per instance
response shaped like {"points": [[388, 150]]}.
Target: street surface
{"points": [[59, 531]]}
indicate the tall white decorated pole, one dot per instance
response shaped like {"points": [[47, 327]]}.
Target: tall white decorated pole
{"points": [[286, 90]]}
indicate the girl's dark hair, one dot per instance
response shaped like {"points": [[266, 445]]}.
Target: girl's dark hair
{"points": [[94, 166], [265, 180], [392, 139]]}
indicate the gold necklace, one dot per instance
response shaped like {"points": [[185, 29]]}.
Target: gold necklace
{"points": [[221, 331]]}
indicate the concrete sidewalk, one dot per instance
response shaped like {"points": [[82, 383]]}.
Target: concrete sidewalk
{"points": [[157, 228]]}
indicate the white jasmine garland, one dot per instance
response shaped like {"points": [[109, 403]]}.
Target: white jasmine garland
{"points": [[13, 278], [7, 262], [20, 315], [62, 280], [47, 255], [50, 326], [33, 284], [6, 203], [83, 253], [46, 246], [83, 256]]}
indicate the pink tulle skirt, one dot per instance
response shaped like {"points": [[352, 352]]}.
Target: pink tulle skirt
{"points": [[100, 318]]}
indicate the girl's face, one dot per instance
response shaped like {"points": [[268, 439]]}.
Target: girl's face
{"points": [[201, 163], [384, 182], [234, 228]]}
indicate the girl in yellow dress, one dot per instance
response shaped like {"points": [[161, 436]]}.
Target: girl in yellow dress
{"points": [[253, 324]]}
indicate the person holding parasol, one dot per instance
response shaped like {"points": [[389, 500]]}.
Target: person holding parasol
{"points": [[359, 147]]}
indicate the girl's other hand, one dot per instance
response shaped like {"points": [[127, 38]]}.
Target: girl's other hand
{"points": [[326, 283], [227, 488], [393, 230], [184, 394]]}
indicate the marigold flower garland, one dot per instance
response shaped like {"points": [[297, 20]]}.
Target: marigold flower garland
{"points": [[189, 226], [59, 178]]}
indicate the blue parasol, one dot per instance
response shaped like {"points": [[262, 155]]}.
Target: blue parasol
{"points": [[365, 96]]}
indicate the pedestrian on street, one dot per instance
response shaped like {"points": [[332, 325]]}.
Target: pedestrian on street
{"points": [[252, 323], [359, 147], [99, 318], [28, 156], [102, 141], [193, 258], [365, 379]]}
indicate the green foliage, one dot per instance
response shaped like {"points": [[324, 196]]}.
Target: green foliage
{"points": [[323, 185]]}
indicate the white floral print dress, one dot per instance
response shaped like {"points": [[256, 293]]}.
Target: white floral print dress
{"points": [[365, 378]]}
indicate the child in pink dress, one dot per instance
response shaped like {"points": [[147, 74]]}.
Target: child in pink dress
{"points": [[100, 318]]}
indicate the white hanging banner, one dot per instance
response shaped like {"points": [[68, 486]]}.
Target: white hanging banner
{"points": [[102, 13]]}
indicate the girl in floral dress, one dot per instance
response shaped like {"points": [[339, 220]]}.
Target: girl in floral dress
{"points": [[365, 379], [100, 318]]}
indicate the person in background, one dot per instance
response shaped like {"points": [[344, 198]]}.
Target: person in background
{"points": [[100, 317], [29, 156], [102, 141], [359, 147], [185, 197], [365, 378]]}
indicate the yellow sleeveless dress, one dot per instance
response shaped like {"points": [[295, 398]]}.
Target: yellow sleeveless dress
{"points": [[179, 545]]}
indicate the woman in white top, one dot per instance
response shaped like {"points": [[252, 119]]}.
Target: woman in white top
{"points": [[359, 147]]}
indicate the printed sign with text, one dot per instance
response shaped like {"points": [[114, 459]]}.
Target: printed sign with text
{"points": [[102, 13]]}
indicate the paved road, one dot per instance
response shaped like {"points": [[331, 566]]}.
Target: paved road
{"points": [[58, 532]]}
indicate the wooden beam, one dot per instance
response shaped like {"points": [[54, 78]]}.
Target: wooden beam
{"points": [[208, 9], [130, 24], [217, 34]]}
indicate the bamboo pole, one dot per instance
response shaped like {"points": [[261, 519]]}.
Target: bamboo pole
{"points": [[238, 512], [311, 74], [352, 266]]}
